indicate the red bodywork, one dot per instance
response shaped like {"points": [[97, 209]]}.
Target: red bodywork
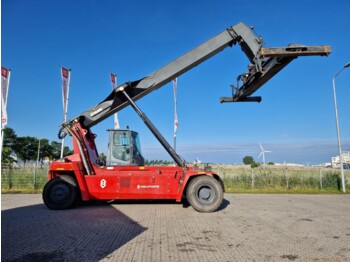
{"points": [[120, 182]]}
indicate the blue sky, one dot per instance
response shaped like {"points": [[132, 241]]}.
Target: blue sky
{"points": [[295, 120]]}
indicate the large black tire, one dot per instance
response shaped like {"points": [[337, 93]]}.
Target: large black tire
{"points": [[61, 192], [205, 194]]}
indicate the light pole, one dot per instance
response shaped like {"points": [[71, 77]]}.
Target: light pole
{"points": [[337, 126]]}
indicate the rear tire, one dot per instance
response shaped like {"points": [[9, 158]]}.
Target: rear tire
{"points": [[205, 194], [61, 192]]}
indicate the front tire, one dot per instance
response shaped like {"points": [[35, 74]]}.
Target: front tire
{"points": [[60, 192], [205, 194]]}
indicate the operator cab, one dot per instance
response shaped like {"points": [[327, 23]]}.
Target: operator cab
{"points": [[124, 148]]}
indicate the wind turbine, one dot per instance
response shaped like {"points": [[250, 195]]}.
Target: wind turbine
{"points": [[263, 151], [197, 161]]}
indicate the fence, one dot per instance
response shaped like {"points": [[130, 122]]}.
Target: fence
{"points": [[20, 179], [280, 179], [236, 179]]}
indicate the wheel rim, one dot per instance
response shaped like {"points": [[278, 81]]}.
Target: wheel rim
{"points": [[60, 193], [206, 194]]}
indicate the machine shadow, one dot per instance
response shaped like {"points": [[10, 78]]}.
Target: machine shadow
{"points": [[183, 202], [89, 233], [223, 205]]}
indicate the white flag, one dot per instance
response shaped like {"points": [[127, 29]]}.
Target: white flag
{"points": [[5, 83], [65, 73], [176, 122], [114, 84], [3, 114], [113, 80]]}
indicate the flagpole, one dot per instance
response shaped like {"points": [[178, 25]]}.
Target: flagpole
{"points": [[116, 121], [175, 112], [2, 139], [65, 110]]}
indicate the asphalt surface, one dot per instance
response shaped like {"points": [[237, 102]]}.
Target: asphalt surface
{"points": [[257, 227]]}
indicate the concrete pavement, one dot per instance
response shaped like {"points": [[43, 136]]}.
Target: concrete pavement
{"points": [[248, 227]]}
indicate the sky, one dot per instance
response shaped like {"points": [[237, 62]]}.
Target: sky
{"points": [[295, 120]]}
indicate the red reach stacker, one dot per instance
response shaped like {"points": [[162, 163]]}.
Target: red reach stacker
{"points": [[84, 176]]}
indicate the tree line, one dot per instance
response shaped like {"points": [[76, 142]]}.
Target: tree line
{"points": [[157, 162], [26, 148]]}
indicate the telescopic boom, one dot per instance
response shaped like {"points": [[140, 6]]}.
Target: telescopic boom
{"points": [[264, 64]]}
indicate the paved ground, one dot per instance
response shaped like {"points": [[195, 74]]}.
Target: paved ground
{"points": [[247, 228]]}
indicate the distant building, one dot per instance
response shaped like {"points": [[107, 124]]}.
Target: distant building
{"points": [[345, 158]]}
